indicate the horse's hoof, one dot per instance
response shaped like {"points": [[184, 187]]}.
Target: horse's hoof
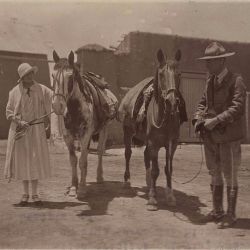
{"points": [[99, 180], [170, 198], [152, 201], [81, 196], [72, 192], [151, 207], [81, 192], [127, 184]]}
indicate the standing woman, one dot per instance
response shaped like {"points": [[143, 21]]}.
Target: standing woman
{"points": [[27, 156]]}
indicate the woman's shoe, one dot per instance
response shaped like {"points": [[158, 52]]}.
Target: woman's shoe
{"points": [[24, 200], [36, 200]]}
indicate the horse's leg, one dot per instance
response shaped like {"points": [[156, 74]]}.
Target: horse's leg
{"points": [[170, 150], [100, 150], [128, 134], [147, 166], [152, 202], [83, 164], [69, 140]]}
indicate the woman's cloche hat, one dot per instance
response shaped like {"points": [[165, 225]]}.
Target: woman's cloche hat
{"points": [[25, 68]]}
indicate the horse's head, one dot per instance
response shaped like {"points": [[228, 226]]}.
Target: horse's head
{"points": [[65, 77], [167, 80], [61, 74]]}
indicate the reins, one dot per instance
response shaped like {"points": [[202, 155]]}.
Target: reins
{"points": [[153, 118]]}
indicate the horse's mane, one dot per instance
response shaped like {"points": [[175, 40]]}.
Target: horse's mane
{"points": [[83, 87]]}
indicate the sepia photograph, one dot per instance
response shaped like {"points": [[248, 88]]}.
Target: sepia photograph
{"points": [[124, 124]]}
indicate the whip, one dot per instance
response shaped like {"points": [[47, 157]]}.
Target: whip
{"points": [[21, 131]]}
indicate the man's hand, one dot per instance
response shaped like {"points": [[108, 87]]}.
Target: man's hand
{"points": [[198, 126], [211, 123]]}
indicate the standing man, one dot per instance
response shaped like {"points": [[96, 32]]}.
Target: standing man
{"points": [[27, 157], [219, 120]]}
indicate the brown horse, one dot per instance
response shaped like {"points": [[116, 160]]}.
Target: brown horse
{"points": [[74, 100], [159, 129], [163, 123]]}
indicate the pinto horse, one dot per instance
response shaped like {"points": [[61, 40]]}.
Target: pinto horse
{"points": [[72, 99], [159, 129]]}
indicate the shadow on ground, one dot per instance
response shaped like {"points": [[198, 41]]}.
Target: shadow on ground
{"points": [[242, 223], [100, 195], [52, 205], [188, 207]]}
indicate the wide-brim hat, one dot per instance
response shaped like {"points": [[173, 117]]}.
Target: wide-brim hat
{"points": [[25, 68], [215, 50]]}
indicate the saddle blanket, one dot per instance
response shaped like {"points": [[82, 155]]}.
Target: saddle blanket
{"points": [[129, 102]]}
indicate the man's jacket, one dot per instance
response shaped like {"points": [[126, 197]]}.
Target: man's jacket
{"points": [[226, 101]]}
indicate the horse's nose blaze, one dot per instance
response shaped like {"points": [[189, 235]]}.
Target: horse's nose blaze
{"points": [[58, 106]]}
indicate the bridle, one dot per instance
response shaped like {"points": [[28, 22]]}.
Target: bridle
{"points": [[171, 88], [164, 95], [56, 82]]}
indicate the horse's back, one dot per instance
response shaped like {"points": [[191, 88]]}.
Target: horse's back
{"points": [[129, 100]]}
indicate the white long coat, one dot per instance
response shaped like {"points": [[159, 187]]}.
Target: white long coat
{"points": [[28, 157]]}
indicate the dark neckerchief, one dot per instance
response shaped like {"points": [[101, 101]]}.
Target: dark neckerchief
{"points": [[28, 88]]}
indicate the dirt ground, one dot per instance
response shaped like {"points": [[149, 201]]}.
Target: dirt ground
{"points": [[112, 216]]}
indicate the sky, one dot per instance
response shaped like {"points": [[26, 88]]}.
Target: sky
{"points": [[41, 26]]}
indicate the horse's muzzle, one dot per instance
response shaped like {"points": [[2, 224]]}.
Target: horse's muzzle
{"points": [[59, 108]]}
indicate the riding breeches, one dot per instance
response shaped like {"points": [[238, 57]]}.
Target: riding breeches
{"points": [[222, 159]]}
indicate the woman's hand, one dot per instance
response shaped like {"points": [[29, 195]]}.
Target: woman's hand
{"points": [[23, 124]]}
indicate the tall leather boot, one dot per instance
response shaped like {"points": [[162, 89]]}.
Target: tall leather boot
{"points": [[217, 213], [230, 218]]}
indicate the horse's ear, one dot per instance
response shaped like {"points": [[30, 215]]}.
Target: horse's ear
{"points": [[55, 57], [161, 57], [178, 55], [71, 58]]}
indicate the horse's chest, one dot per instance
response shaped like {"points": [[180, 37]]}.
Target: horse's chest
{"points": [[75, 119]]}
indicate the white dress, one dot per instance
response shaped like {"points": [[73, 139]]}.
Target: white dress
{"points": [[30, 155]]}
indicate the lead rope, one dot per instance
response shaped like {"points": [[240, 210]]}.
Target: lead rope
{"points": [[198, 172], [153, 119], [230, 205]]}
